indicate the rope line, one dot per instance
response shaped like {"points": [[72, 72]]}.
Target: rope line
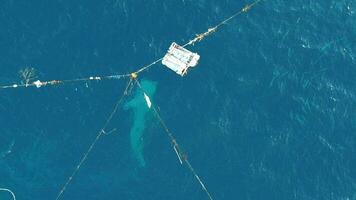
{"points": [[9, 191], [39, 83], [98, 136], [201, 36], [196, 39], [179, 152], [243, 10]]}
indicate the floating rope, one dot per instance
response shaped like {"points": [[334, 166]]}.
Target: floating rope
{"points": [[9, 191], [201, 36], [39, 83], [98, 136], [182, 157], [196, 39]]}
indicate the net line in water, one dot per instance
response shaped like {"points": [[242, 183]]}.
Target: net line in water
{"points": [[132, 81], [9, 191], [101, 132], [182, 157]]}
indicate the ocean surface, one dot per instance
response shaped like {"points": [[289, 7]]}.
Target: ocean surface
{"points": [[269, 113]]}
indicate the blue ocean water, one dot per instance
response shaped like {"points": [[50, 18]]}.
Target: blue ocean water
{"points": [[269, 113]]}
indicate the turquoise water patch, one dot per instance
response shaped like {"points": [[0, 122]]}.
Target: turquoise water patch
{"points": [[139, 108]]}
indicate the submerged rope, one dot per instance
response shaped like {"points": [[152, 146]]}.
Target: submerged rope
{"points": [[98, 136], [175, 146], [9, 191], [196, 39]]}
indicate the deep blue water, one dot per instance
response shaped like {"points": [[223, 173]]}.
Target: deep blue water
{"points": [[269, 113]]}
